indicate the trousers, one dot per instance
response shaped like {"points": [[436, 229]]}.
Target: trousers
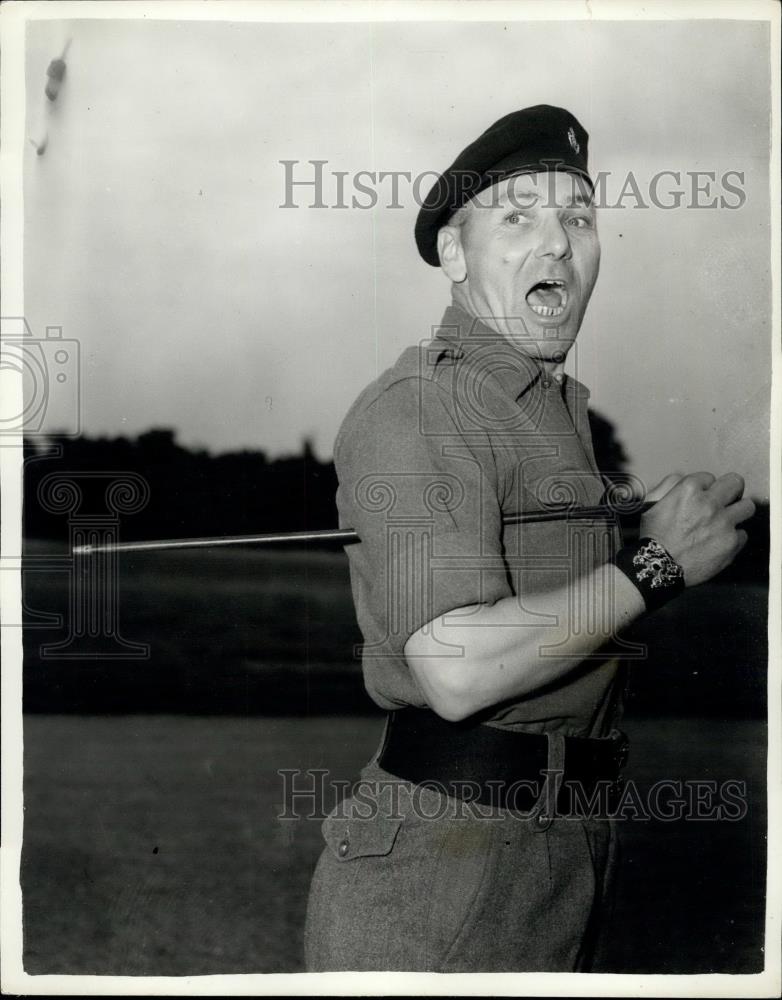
{"points": [[411, 879]]}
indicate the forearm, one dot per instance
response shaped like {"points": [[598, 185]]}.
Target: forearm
{"points": [[475, 657]]}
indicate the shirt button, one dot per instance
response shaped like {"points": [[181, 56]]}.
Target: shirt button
{"points": [[542, 822], [343, 848], [546, 383]]}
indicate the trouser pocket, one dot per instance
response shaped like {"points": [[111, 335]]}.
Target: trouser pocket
{"points": [[394, 890], [358, 893]]}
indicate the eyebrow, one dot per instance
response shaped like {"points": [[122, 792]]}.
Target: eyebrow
{"points": [[529, 199], [585, 201], [522, 199]]}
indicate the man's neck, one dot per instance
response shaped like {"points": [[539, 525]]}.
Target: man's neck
{"points": [[556, 369]]}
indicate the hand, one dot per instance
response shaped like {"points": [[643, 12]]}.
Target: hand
{"points": [[695, 519]]}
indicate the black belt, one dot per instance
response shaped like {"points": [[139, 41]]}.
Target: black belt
{"points": [[500, 767]]}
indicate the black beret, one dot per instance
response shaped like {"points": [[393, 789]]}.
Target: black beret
{"points": [[528, 141]]}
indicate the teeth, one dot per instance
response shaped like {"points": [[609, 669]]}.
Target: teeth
{"points": [[547, 310]]}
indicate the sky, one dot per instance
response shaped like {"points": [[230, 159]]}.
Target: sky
{"points": [[155, 237]]}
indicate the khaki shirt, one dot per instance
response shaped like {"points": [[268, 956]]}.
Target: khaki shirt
{"points": [[462, 431]]}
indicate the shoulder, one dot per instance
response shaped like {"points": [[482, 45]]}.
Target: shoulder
{"points": [[416, 385]]}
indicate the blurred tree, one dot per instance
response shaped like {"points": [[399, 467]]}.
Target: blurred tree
{"points": [[610, 455]]}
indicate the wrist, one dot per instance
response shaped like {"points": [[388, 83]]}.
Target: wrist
{"points": [[652, 570]]}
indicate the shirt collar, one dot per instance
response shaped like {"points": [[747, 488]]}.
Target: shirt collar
{"points": [[469, 336]]}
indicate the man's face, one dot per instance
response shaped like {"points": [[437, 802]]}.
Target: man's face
{"points": [[529, 256]]}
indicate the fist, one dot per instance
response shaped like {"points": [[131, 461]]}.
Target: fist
{"points": [[695, 518]]}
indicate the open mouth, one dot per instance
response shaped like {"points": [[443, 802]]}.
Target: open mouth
{"points": [[548, 297]]}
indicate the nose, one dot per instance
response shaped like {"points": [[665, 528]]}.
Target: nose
{"points": [[553, 241]]}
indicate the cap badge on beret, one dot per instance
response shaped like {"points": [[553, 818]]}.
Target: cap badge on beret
{"points": [[572, 140]]}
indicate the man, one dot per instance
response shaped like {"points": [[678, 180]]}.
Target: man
{"points": [[467, 847]]}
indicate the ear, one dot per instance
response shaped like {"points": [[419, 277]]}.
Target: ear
{"points": [[449, 249]]}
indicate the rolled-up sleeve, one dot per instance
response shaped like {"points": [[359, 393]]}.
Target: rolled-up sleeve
{"points": [[423, 496]]}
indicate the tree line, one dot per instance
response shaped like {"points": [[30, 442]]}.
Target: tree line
{"points": [[191, 492], [194, 493]]}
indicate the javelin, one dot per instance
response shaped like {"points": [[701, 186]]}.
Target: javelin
{"points": [[345, 535]]}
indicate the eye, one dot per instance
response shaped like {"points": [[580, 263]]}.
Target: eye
{"points": [[515, 218], [580, 221]]}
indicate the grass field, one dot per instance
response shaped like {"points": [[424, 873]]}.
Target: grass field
{"points": [[256, 631], [151, 839], [153, 847]]}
